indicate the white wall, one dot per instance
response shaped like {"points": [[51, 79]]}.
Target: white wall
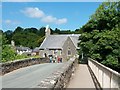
{"points": [[107, 77]]}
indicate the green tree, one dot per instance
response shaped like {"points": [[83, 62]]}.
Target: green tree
{"points": [[100, 37], [9, 35], [8, 54], [4, 39], [19, 30], [41, 31], [26, 39]]}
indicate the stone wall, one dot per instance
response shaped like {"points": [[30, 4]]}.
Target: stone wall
{"points": [[106, 77], [60, 78], [68, 45], [13, 65]]}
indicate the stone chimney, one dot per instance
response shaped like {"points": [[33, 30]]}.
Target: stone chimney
{"points": [[12, 43], [47, 31]]}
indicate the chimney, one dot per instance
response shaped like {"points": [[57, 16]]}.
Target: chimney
{"points": [[47, 31], [12, 43]]}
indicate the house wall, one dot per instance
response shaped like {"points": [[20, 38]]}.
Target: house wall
{"points": [[55, 52], [68, 45], [20, 52], [63, 53]]}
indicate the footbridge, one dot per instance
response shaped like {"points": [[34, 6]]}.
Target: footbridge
{"points": [[38, 73]]}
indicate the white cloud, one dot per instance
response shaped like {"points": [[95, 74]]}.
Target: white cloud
{"points": [[8, 21], [37, 13], [61, 21], [49, 19], [33, 12]]}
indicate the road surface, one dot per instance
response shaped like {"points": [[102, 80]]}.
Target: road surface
{"points": [[29, 77]]}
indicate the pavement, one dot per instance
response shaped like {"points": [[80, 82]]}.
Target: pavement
{"points": [[81, 78], [30, 76]]}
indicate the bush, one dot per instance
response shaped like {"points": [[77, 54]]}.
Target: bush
{"points": [[8, 54]]}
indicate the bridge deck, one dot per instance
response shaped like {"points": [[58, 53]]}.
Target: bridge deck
{"points": [[81, 78], [30, 76]]}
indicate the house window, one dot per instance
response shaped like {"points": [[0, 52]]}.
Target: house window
{"points": [[55, 51], [60, 52], [69, 51]]}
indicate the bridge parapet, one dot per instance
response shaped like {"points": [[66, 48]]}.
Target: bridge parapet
{"points": [[106, 77], [13, 65], [61, 77]]}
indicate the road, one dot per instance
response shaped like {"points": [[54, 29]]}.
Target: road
{"points": [[29, 77]]}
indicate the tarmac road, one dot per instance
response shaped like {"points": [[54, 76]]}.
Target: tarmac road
{"points": [[30, 76]]}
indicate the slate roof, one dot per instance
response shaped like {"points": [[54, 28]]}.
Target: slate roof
{"points": [[57, 41], [22, 48], [75, 40], [36, 49]]}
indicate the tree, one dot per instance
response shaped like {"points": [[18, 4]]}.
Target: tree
{"points": [[57, 31], [4, 39], [40, 40], [100, 37], [26, 39], [31, 30], [9, 35], [41, 31], [0, 44], [8, 54], [18, 30]]}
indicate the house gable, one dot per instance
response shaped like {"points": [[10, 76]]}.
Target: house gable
{"points": [[69, 49]]}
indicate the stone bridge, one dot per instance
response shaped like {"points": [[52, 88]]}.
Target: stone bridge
{"points": [[30, 73]]}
